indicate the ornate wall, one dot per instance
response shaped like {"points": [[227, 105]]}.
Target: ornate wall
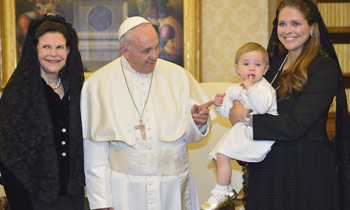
{"points": [[226, 25]]}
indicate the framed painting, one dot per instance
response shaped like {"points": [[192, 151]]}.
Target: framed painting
{"points": [[97, 24]]}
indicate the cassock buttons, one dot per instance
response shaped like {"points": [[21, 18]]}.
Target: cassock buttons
{"points": [[64, 130], [63, 142], [64, 154]]}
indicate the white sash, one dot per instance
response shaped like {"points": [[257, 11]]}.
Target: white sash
{"points": [[165, 162]]}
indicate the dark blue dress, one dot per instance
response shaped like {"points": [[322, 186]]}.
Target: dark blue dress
{"points": [[299, 173]]}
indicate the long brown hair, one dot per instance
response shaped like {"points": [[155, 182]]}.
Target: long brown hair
{"points": [[295, 79]]}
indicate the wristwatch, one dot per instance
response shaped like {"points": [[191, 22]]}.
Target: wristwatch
{"points": [[247, 118]]}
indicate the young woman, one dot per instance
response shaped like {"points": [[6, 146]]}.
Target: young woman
{"points": [[300, 172]]}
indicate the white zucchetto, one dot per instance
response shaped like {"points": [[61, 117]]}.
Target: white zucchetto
{"points": [[130, 23]]}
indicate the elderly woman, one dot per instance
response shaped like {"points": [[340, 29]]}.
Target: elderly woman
{"points": [[41, 157]]}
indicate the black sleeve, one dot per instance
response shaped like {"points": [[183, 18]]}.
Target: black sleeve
{"points": [[308, 108]]}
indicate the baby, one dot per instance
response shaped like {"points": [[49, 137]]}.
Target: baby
{"points": [[256, 94]]}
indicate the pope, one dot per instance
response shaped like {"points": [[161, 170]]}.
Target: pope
{"points": [[138, 114]]}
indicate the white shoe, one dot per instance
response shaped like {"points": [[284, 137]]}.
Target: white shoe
{"points": [[219, 199]]}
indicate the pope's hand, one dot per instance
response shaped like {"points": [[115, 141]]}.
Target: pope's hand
{"points": [[200, 113]]}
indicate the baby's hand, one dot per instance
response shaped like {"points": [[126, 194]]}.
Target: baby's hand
{"points": [[248, 83], [219, 98]]}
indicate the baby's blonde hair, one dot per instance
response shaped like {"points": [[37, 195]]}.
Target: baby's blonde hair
{"points": [[249, 47]]}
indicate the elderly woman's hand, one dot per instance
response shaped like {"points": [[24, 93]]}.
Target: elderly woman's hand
{"points": [[237, 113]]}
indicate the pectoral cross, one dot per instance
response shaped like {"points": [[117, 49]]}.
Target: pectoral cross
{"points": [[141, 126]]}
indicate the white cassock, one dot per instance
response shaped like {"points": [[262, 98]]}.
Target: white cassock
{"points": [[122, 170]]}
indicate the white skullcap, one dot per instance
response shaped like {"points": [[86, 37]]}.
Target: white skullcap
{"points": [[130, 23]]}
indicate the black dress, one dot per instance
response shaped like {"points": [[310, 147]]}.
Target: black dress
{"points": [[299, 173], [19, 197], [59, 109]]}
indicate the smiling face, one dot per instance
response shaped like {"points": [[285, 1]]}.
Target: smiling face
{"points": [[143, 48], [52, 52], [293, 29], [251, 65]]}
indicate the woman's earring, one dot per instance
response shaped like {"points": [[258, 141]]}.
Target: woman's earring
{"points": [[312, 34]]}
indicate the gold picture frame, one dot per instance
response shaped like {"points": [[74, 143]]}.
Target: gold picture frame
{"points": [[8, 40], [191, 38]]}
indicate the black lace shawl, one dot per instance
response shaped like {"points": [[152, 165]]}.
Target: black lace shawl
{"points": [[342, 139], [27, 146]]}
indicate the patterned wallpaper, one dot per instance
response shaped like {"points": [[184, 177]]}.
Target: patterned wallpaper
{"points": [[226, 25]]}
